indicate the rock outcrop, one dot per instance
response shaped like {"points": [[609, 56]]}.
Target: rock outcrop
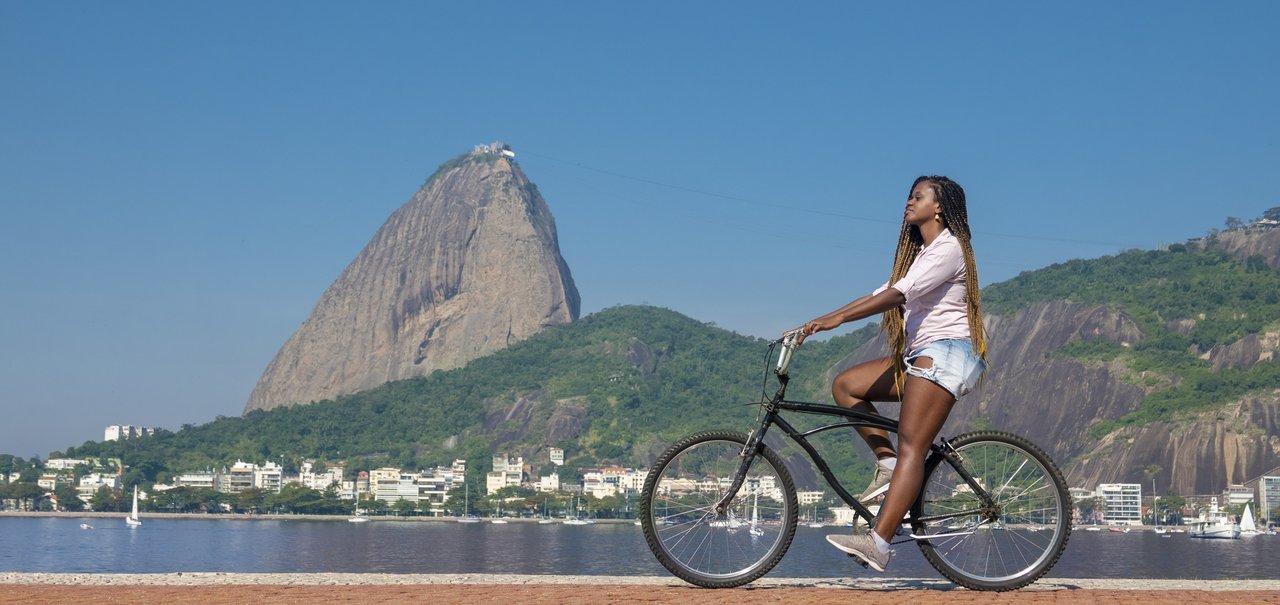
{"points": [[1053, 400], [470, 265]]}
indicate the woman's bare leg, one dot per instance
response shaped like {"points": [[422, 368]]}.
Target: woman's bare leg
{"points": [[857, 387], [925, 407]]}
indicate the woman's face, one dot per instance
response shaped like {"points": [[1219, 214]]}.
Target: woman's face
{"points": [[922, 204]]}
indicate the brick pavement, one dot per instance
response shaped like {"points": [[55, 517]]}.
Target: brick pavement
{"points": [[296, 589]]}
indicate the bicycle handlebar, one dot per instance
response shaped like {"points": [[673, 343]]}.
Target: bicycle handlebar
{"points": [[790, 343]]}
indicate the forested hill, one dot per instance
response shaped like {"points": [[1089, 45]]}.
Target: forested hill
{"points": [[613, 388], [1146, 365], [1168, 372]]}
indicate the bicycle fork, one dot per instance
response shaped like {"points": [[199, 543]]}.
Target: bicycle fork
{"points": [[748, 454]]}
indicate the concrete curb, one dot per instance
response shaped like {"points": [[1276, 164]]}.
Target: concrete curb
{"points": [[364, 579]]}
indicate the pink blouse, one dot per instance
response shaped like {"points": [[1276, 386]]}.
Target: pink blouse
{"points": [[934, 287]]}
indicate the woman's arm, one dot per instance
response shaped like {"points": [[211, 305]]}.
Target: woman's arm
{"points": [[865, 306]]}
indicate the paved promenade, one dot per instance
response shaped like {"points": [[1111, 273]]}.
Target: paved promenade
{"points": [[295, 589]]}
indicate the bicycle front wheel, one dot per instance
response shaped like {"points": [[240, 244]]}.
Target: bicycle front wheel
{"points": [[1007, 540], [709, 548]]}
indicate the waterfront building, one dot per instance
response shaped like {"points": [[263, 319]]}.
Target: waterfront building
{"points": [[207, 479], [1268, 499], [807, 498], [321, 481], [1123, 503], [269, 476], [239, 478], [1236, 495]]}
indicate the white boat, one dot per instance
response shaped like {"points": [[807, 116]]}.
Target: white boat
{"points": [[358, 517], [1247, 526], [1161, 530], [1214, 523], [85, 526], [132, 520], [498, 521]]}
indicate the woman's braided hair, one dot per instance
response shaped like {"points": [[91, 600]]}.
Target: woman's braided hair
{"points": [[955, 217]]}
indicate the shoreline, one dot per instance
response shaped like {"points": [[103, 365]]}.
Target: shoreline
{"points": [[269, 517], [391, 579]]}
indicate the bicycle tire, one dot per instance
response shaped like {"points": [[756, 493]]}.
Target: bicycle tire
{"points": [[1004, 546], [680, 524]]}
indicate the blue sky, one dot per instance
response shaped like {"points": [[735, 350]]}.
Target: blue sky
{"points": [[181, 181]]}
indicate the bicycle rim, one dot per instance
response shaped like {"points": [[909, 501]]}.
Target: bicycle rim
{"points": [[1003, 544], [690, 538]]}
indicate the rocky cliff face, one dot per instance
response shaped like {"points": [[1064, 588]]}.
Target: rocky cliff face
{"points": [[1054, 400], [468, 266]]}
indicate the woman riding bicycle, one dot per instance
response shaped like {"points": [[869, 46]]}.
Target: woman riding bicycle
{"points": [[933, 322]]}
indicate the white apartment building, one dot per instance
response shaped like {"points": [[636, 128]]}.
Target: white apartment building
{"points": [[1268, 499], [550, 483], [807, 498], [207, 480], [557, 456], [1123, 503], [92, 482], [117, 432], [319, 481], [66, 464], [50, 481], [506, 472]]}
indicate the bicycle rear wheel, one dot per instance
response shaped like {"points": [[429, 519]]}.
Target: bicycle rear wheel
{"points": [[682, 528], [1007, 541]]}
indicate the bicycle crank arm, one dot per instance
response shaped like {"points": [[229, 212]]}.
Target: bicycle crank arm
{"points": [[932, 536]]}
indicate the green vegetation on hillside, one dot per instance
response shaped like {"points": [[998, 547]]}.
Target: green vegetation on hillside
{"points": [[1185, 300], [635, 378]]}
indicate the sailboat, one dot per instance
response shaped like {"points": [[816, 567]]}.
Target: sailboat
{"points": [[467, 517], [1247, 526], [358, 517], [545, 520], [755, 516], [132, 520], [575, 520]]}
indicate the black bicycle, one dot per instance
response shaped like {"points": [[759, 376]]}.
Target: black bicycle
{"points": [[719, 507]]}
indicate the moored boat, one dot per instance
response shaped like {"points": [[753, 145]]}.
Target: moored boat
{"points": [[1213, 523]]}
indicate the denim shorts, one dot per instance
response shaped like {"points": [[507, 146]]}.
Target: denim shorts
{"points": [[956, 367]]}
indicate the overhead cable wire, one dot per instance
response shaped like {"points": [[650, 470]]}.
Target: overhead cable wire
{"points": [[792, 208]]}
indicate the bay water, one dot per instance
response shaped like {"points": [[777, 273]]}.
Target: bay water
{"points": [[58, 544]]}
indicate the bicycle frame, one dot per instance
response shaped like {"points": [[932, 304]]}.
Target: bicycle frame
{"points": [[939, 452]]}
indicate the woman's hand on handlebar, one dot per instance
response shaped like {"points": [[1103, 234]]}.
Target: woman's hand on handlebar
{"points": [[822, 324]]}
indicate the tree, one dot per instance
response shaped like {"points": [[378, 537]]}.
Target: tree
{"points": [[1272, 213], [1234, 223], [404, 507], [68, 498], [105, 500], [250, 500], [28, 495]]}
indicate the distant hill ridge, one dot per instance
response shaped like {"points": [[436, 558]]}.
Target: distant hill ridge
{"points": [[1142, 366]]}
